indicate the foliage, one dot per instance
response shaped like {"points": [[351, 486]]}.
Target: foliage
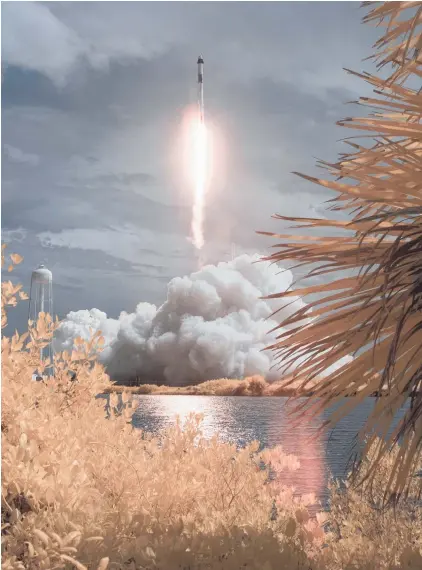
{"points": [[9, 292], [82, 491], [359, 519], [79, 490], [250, 386], [372, 307]]}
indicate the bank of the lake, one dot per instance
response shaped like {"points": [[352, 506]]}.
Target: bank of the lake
{"points": [[250, 386]]}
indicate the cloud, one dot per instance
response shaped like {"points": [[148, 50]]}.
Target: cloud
{"points": [[15, 235], [213, 324], [32, 29], [241, 41], [156, 254], [35, 39], [16, 155], [134, 245]]}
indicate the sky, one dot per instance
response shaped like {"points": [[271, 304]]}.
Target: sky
{"points": [[93, 98]]}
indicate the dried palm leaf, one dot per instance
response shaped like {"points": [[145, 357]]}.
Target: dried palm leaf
{"points": [[373, 313]]}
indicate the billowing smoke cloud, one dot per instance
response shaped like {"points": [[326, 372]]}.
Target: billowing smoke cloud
{"points": [[212, 325]]}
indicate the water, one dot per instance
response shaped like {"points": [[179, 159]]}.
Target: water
{"points": [[241, 420]]}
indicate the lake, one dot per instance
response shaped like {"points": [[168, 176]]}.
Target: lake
{"points": [[241, 420]]}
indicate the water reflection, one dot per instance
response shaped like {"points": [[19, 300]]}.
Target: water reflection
{"points": [[304, 441], [241, 420]]}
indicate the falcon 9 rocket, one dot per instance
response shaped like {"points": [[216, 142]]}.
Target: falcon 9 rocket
{"points": [[200, 63]]}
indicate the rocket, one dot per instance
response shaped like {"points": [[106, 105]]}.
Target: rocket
{"points": [[200, 63]]}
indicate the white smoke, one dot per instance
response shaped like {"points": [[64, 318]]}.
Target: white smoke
{"points": [[212, 325]]}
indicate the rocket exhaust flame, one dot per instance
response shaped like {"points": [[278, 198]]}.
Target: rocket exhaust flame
{"points": [[200, 173], [199, 163]]}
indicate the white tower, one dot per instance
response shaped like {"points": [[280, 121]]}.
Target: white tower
{"points": [[41, 301]]}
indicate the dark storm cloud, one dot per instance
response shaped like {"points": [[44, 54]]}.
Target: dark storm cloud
{"points": [[92, 97], [25, 87]]}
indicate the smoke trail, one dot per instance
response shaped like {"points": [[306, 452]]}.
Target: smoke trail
{"points": [[213, 324]]}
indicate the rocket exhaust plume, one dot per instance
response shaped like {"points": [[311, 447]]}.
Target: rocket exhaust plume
{"points": [[199, 163]]}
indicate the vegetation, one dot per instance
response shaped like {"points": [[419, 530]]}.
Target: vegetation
{"points": [[250, 386], [81, 488], [370, 303], [82, 491]]}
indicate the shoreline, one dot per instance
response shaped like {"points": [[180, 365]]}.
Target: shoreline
{"points": [[252, 386], [174, 392], [235, 388], [287, 394]]}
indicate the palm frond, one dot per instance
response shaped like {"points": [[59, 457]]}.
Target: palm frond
{"points": [[374, 312]]}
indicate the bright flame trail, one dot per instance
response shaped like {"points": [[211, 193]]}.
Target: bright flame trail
{"points": [[200, 177]]}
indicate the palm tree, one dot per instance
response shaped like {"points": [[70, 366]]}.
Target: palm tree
{"points": [[372, 308]]}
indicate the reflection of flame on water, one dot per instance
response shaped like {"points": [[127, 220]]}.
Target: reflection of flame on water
{"points": [[299, 461], [296, 453]]}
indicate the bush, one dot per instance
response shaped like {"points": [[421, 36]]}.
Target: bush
{"points": [[78, 488], [256, 385], [82, 491]]}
